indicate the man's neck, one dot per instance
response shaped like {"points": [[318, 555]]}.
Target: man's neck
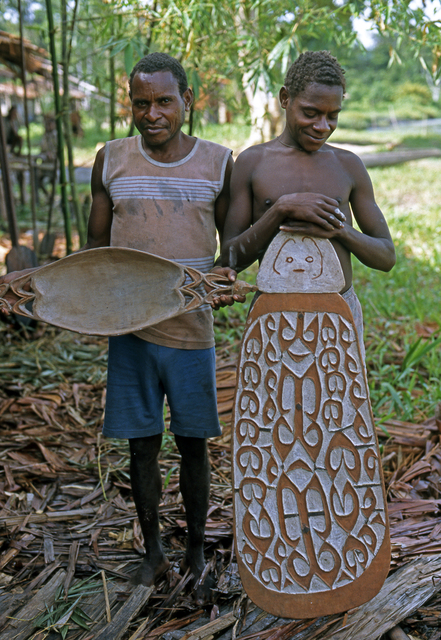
{"points": [[173, 151]]}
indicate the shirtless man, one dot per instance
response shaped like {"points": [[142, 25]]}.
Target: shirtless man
{"points": [[298, 182]]}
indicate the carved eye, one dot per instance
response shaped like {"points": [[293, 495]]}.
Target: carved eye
{"points": [[309, 259], [289, 259]]}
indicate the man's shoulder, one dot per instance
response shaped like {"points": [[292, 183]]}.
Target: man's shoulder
{"points": [[349, 163], [212, 146], [257, 151], [342, 154], [251, 156], [122, 143]]}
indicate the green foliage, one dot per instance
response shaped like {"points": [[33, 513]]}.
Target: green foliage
{"points": [[232, 135], [418, 141], [47, 363], [396, 386], [246, 43], [63, 613], [413, 91], [379, 93], [353, 119], [412, 110]]}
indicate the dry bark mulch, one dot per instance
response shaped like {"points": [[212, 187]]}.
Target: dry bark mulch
{"points": [[70, 539]]}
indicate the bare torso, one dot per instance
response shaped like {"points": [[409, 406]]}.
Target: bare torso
{"points": [[299, 183], [279, 170]]}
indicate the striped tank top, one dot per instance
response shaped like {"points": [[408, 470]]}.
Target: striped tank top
{"points": [[168, 209]]}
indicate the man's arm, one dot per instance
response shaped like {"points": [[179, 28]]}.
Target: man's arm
{"points": [[372, 245], [220, 213], [101, 212], [223, 202], [246, 239]]}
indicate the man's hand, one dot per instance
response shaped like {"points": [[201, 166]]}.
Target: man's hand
{"points": [[225, 300], [312, 208], [311, 229]]}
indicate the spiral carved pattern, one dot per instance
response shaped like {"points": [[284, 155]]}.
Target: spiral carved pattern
{"points": [[309, 502]]}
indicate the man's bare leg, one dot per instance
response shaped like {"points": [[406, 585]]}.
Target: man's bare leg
{"points": [[146, 487], [195, 489]]}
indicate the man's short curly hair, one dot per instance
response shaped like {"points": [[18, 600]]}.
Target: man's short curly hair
{"points": [[314, 66], [154, 62]]}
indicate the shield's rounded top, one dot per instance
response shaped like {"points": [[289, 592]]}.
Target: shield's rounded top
{"points": [[298, 263]]}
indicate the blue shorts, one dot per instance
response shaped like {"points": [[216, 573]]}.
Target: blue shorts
{"points": [[140, 374]]}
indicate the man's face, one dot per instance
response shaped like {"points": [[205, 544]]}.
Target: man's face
{"points": [[312, 115], [157, 106]]}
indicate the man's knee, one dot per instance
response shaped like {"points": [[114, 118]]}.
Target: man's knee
{"points": [[192, 450], [194, 453], [147, 448]]}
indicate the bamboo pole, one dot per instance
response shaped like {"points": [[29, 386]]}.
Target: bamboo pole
{"points": [[66, 120], [112, 87], [7, 187], [28, 134], [60, 137]]}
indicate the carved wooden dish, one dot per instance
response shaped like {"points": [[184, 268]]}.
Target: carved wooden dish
{"points": [[113, 291]]}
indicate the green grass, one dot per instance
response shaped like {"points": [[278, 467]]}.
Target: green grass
{"points": [[401, 308], [422, 137]]}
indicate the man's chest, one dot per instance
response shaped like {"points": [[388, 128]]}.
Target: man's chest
{"points": [[326, 177]]}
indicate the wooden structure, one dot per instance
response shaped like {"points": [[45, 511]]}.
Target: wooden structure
{"points": [[311, 526], [36, 58]]}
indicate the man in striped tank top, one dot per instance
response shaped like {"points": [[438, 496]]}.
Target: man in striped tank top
{"points": [[167, 193]]}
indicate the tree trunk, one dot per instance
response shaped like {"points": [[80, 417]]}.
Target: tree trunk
{"points": [[389, 158], [257, 98], [264, 109]]}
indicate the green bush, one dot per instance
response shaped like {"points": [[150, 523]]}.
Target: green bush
{"points": [[409, 109], [414, 91], [352, 119]]}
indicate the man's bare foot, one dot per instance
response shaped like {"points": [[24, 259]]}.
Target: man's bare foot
{"points": [[150, 571], [202, 589]]}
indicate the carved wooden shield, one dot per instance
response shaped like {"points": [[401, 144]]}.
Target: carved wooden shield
{"points": [[311, 527], [113, 290]]}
